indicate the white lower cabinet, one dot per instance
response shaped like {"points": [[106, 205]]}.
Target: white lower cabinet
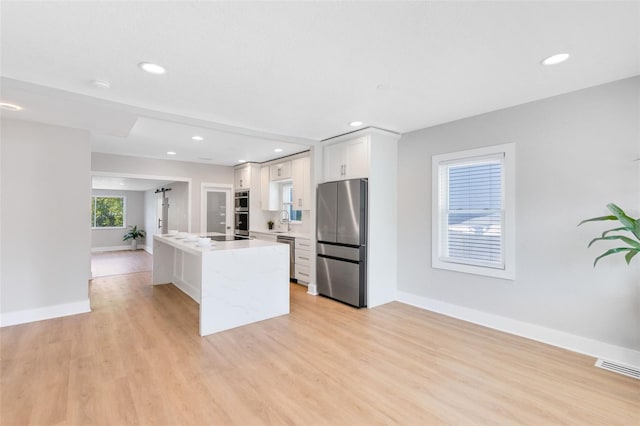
{"points": [[263, 236], [303, 260]]}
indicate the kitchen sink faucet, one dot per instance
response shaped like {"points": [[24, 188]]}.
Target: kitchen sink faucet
{"points": [[284, 218]]}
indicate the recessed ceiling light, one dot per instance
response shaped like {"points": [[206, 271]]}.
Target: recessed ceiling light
{"points": [[242, 161], [555, 59], [152, 68], [355, 123], [171, 153], [10, 107], [197, 138], [101, 84], [277, 150]]}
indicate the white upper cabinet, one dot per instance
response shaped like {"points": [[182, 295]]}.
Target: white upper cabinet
{"points": [[281, 171], [269, 195], [347, 160], [301, 172], [243, 178]]}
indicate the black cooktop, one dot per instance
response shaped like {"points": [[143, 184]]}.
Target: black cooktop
{"points": [[227, 237]]}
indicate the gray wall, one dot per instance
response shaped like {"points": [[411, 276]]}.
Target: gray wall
{"points": [[45, 188], [134, 216], [198, 173], [574, 155]]}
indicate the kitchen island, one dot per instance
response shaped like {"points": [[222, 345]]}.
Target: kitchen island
{"points": [[235, 282]]}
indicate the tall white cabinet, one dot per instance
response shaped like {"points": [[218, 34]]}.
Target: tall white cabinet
{"points": [[268, 191], [347, 160], [247, 177], [243, 176], [372, 154], [296, 171], [301, 174]]}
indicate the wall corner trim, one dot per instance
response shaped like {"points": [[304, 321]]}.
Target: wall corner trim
{"points": [[538, 333], [48, 312]]}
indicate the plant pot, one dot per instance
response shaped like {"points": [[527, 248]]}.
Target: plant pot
{"points": [[134, 245]]}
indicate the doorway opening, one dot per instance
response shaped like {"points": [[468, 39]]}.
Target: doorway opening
{"points": [[140, 206]]}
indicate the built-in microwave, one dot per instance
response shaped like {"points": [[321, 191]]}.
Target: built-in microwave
{"points": [[242, 201]]}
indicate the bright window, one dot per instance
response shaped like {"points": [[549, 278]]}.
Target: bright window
{"points": [[108, 212], [473, 226], [287, 203]]}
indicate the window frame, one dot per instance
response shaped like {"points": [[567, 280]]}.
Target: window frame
{"points": [[124, 212], [283, 188], [490, 153]]}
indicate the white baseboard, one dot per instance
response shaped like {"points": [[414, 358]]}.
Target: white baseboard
{"points": [[148, 249], [48, 312], [550, 336], [110, 248]]}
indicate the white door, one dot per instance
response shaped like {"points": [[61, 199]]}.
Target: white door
{"points": [[159, 217], [216, 210]]}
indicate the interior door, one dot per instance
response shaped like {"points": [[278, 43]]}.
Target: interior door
{"points": [[160, 220], [216, 212]]}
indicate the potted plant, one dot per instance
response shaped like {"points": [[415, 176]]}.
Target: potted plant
{"points": [[133, 234], [270, 224], [629, 225]]}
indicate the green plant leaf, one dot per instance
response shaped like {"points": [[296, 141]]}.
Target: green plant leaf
{"points": [[627, 240], [622, 228], [627, 221], [610, 252], [630, 255], [594, 219]]}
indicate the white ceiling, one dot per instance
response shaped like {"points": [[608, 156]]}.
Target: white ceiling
{"points": [[253, 76], [126, 184]]}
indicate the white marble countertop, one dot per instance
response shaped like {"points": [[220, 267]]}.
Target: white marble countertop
{"points": [[284, 234], [194, 248]]}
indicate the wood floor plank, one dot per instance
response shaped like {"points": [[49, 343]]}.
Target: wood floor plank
{"points": [[137, 359]]}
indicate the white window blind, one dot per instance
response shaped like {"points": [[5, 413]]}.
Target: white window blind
{"points": [[287, 203], [471, 207]]}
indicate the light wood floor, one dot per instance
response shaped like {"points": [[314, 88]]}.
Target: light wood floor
{"points": [[120, 262], [138, 359]]}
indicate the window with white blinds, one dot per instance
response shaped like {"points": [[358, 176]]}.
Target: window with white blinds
{"points": [[470, 214], [472, 211]]}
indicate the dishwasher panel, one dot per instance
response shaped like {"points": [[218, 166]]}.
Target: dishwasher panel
{"points": [[292, 254]]}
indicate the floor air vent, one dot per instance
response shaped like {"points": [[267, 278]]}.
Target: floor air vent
{"points": [[619, 368]]}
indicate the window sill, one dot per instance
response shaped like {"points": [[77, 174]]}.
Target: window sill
{"points": [[505, 274], [108, 227]]}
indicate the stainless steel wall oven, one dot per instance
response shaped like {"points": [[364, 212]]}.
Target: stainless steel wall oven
{"points": [[242, 213]]}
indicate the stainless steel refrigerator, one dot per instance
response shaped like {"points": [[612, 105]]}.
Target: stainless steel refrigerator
{"points": [[342, 241]]}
